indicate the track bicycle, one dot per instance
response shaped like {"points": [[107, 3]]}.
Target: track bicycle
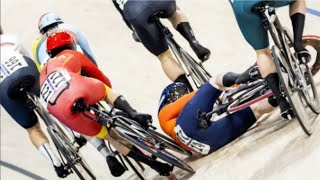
{"points": [[194, 69], [130, 130], [244, 95], [65, 145], [295, 74]]}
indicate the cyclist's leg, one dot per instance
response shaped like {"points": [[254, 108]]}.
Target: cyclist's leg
{"points": [[138, 14], [26, 118], [255, 34], [297, 13], [180, 21], [226, 129]]}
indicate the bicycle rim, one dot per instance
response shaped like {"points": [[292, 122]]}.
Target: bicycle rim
{"points": [[168, 143], [72, 156], [293, 96], [152, 148], [307, 88]]}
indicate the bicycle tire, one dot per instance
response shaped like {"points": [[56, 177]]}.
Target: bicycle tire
{"points": [[310, 98], [71, 155], [149, 146], [168, 143], [293, 96]]}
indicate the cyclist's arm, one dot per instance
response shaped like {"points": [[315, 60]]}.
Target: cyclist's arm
{"points": [[84, 45], [34, 53], [90, 68], [172, 110]]}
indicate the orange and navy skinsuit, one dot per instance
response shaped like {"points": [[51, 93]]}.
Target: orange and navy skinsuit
{"points": [[168, 117], [62, 85], [180, 121]]}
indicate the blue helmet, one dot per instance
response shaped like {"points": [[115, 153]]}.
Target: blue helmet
{"points": [[47, 20], [172, 93]]}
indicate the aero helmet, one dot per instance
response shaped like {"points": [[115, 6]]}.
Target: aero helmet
{"points": [[59, 41], [172, 93], [47, 20]]}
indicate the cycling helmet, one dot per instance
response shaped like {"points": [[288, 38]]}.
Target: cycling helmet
{"points": [[59, 41], [172, 93], [47, 20]]}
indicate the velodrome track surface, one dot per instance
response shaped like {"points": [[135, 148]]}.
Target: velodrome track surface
{"points": [[272, 150]]}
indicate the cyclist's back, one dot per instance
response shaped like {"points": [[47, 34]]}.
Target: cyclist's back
{"points": [[48, 26]]}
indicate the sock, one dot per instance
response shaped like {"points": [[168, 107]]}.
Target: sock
{"points": [[273, 82], [47, 152], [185, 30], [101, 146], [298, 20], [183, 79]]}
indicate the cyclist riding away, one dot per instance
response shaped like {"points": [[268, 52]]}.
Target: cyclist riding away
{"points": [[18, 68], [62, 86], [179, 109], [252, 29], [138, 14], [50, 22]]}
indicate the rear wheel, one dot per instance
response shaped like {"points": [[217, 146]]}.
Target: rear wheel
{"points": [[71, 155], [167, 143]]}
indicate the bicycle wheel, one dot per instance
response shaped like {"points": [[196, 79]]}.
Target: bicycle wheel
{"points": [[71, 154], [167, 143], [197, 72], [142, 139], [293, 96], [306, 85]]}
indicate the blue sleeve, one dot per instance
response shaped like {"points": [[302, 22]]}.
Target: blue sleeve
{"points": [[83, 43]]}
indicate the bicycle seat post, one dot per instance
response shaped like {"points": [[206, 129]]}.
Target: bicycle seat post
{"points": [[156, 18]]}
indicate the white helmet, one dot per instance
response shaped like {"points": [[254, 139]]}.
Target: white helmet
{"points": [[48, 19]]}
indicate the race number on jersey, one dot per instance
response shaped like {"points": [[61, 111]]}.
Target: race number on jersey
{"points": [[54, 85], [11, 62], [121, 3]]}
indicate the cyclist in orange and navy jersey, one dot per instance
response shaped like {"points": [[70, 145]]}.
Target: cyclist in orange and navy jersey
{"points": [[62, 86], [178, 115]]}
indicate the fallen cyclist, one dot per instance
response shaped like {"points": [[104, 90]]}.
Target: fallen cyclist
{"points": [[178, 115], [62, 86]]}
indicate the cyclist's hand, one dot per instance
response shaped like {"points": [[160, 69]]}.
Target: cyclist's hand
{"points": [[143, 119]]}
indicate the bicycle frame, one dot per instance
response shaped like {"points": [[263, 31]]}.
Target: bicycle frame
{"points": [[293, 73], [194, 69]]}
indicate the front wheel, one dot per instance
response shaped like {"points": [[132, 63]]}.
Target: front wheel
{"points": [[286, 79]]}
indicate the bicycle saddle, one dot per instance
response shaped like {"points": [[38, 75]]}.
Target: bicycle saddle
{"points": [[156, 16]]}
